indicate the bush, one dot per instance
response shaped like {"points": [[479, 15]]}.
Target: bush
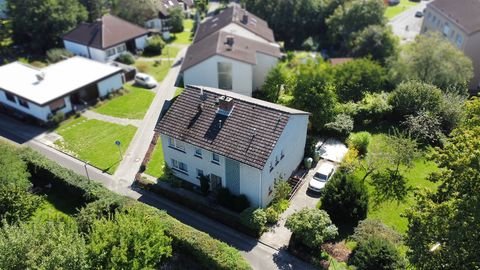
{"points": [[154, 46], [359, 141], [233, 202], [281, 206], [376, 253], [58, 117], [272, 215], [345, 199], [103, 208], [254, 219], [57, 55], [342, 126], [126, 58], [373, 227], [412, 97], [281, 190], [312, 227], [204, 184]]}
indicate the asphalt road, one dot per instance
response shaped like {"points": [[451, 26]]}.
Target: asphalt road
{"points": [[405, 25]]}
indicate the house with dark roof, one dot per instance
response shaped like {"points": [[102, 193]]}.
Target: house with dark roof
{"points": [[459, 22], [238, 142], [105, 39], [160, 22], [233, 50]]}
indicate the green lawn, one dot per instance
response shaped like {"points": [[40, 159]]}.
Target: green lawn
{"points": [[94, 141], [169, 51], [392, 11], [156, 69], [390, 212], [132, 105], [156, 165], [56, 206], [184, 37]]}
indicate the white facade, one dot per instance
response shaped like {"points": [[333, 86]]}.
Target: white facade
{"points": [[256, 184], [245, 77], [109, 85]]}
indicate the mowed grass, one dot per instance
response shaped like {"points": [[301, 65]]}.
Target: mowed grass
{"points": [[94, 141], [156, 165], [183, 38], [169, 51], [133, 105], [392, 11], [158, 69], [391, 213]]}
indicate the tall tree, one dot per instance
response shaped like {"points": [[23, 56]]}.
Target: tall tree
{"points": [[434, 60], [136, 11], [176, 20], [375, 41], [40, 24], [95, 8]]}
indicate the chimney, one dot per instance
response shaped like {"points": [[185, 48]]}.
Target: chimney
{"points": [[245, 19], [225, 105]]}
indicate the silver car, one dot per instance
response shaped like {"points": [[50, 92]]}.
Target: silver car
{"points": [[145, 80], [321, 176]]}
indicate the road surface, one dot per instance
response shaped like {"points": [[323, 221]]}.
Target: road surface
{"points": [[405, 25]]}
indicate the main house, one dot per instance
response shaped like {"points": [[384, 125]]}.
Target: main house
{"points": [[459, 22], [105, 39], [241, 143], [233, 50], [60, 87]]}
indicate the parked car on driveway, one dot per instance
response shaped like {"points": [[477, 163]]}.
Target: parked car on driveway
{"points": [[419, 14], [145, 80], [321, 177]]}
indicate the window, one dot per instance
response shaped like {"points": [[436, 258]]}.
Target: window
{"points": [[459, 40], [198, 152], [199, 173], [282, 154], [215, 181], [10, 97], [215, 158], [446, 29], [276, 160], [57, 105], [121, 48], [110, 52], [225, 75], [179, 166], [176, 144], [434, 19], [23, 103], [271, 166]]}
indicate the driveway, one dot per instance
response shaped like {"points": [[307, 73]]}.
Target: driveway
{"points": [[405, 25]]}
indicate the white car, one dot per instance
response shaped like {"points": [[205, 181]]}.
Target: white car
{"points": [[145, 80], [321, 176]]}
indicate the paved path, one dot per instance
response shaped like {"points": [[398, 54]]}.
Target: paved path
{"points": [[405, 25], [107, 118]]}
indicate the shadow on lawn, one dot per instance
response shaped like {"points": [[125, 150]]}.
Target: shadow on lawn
{"points": [[106, 170]]}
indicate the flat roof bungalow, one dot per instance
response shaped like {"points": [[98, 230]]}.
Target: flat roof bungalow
{"points": [[41, 93]]}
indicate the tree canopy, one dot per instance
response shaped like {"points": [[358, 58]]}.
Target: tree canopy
{"points": [[176, 20]]}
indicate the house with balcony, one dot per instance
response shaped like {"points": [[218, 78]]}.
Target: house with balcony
{"points": [[105, 39], [40, 93], [233, 50], [238, 142], [459, 22]]}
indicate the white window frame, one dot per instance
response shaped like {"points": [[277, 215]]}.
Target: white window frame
{"points": [[176, 144], [179, 166], [110, 52], [200, 173], [217, 159], [198, 152], [225, 70]]}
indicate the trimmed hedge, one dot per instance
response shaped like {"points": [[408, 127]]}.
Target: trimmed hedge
{"points": [[209, 252]]}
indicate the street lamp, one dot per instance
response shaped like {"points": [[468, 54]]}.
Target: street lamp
{"points": [[86, 171], [118, 143]]}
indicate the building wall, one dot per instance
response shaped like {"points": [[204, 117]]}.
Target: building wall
{"points": [[260, 71], [110, 84], [292, 142], [141, 42], [75, 48], [34, 110], [206, 74], [98, 55], [436, 21], [154, 24]]}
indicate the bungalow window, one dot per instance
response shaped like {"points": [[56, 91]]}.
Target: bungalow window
{"points": [[110, 52], [180, 166], [121, 48], [198, 152], [225, 75], [23, 103], [10, 97], [215, 158], [57, 105], [176, 144]]}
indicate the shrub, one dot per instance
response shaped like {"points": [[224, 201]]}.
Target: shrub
{"points": [[154, 46], [412, 97], [374, 227], [17, 204], [57, 54], [311, 226], [142, 66], [272, 215], [204, 184], [376, 253], [58, 117], [126, 58], [359, 141], [103, 208], [341, 126], [233, 202], [240, 203], [254, 219], [281, 190], [281, 206]]}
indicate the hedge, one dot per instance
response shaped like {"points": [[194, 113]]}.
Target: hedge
{"points": [[209, 252]]}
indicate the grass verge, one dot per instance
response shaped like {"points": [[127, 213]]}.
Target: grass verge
{"points": [[156, 165]]}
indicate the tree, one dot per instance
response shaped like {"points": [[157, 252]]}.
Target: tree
{"points": [[360, 141], [376, 253], [42, 245], [443, 224], [472, 113], [411, 97], [374, 227], [176, 20], [39, 24], [277, 78], [352, 17], [425, 126], [345, 199], [312, 227], [131, 240], [355, 78], [342, 124], [375, 41], [434, 60], [95, 8], [313, 91], [136, 11]]}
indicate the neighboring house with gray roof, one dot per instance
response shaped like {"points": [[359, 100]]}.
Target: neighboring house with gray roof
{"points": [[233, 50], [459, 22], [238, 142], [105, 39]]}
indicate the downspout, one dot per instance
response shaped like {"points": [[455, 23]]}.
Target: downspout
{"points": [[260, 199]]}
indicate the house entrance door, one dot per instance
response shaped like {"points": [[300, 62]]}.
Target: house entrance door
{"points": [[215, 182]]}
